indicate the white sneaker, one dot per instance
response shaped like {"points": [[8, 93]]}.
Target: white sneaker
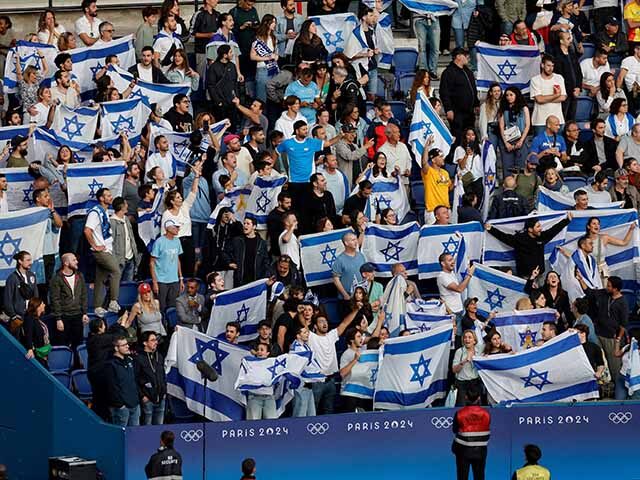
{"points": [[113, 306], [100, 312]]}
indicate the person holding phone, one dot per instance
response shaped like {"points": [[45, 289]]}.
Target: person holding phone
{"points": [[470, 168]]}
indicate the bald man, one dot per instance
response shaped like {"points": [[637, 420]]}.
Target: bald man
{"points": [[508, 203], [68, 295]]}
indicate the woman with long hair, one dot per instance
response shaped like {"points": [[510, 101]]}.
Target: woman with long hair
{"points": [[470, 168], [35, 333], [388, 216], [607, 93], [601, 240], [308, 47], [49, 30], [324, 224], [180, 72], [147, 312], [322, 78], [351, 116], [67, 41], [39, 113], [514, 123], [494, 345], [553, 182], [29, 82], [263, 51], [422, 84], [488, 120], [619, 122], [463, 368]]}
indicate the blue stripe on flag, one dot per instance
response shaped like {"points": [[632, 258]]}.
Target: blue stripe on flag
{"points": [[373, 229], [566, 392], [322, 239], [96, 171], [497, 280], [387, 267], [101, 53], [121, 105], [359, 389], [24, 221], [231, 297], [497, 52], [487, 83], [417, 345], [390, 396]]}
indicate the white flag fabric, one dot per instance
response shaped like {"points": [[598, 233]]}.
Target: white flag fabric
{"points": [[236, 200], [218, 401], [362, 380], [384, 38], [128, 116], [394, 305], [540, 374], [413, 370], [246, 305], [150, 93], [427, 123], [497, 253], [179, 143], [372, 3], [87, 61], [489, 181], [417, 321], [495, 290], [387, 192], [312, 372], [510, 66], [356, 44], [458, 193], [84, 181], [261, 375], [20, 191], [438, 239], [433, 7], [521, 329], [334, 30], [29, 56], [550, 201], [318, 251], [75, 124], [7, 133], [264, 198], [432, 307], [632, 377], [149, 222], [386, 245]]}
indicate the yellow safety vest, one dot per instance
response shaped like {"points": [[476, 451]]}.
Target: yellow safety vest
{"points": [[533, 472]]}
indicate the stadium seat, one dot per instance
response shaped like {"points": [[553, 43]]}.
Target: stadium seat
{"points": [[574, 183], [179, 410], [588, 50], [110, 318], [64, 378], [399, 110], [417, 193], [81, 384], [202, 286], [60, 359], [171, 317], [584, 108], [405, 60], [330, 306], [90, 293], [128, 294], [382, 89], [586, 134], [83, 355], [404, 82]]}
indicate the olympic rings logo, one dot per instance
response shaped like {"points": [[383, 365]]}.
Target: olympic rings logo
{"points": [[318, 428], [442, 422], [620, 417], [191, 435]]}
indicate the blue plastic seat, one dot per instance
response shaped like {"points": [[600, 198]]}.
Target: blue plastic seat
{"points": [[330, 306], [83, 355], [81, 384], [404, 82], [60, 359], [128, 294], [588, 50], [405, 59], [399, 110], [64, 378], [574, 183], [171, 317], [584, 108]]}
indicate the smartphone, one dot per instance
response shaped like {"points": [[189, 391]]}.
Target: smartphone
{"points": [[205, 125]]}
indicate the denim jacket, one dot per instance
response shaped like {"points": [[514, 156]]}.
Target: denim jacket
{"points": [[281, 30]]}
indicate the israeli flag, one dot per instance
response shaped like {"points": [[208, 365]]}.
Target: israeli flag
{"points": [[72, 125], [261, 375], [362, 380], [489, 182], [425, 322], [246, 304], [432, 307], [372, 3], [510, 66], [426, 123], [149, 222], [384, 39], [29, 56], [355, 45], [219, 39], [318, 251], [179, 143], [87, 61], [495, 290], [458, 193], [84, 181], [150, 93], [312, 371], [394, 305], [236, 200], [432, 7], [264, 198], [499, 254], [550, 201], [129, 116], [632, 377], [217, 401], [540, 374], [20, 191], [386, 245], [413, 370], [387, 192], [438, 239], [7, 133], [335, 30], [521, 329]]}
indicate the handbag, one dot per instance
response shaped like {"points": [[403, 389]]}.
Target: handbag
{"points": [[467, 179], [512, 134], [42, 352], [452, 396]]}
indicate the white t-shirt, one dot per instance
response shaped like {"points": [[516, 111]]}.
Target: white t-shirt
{"points": [[345, 359], [43, 36], [146, 74], [183, 218], [324, 351], [40, 118], [69, 97], [453, 300], [597, 197], [590, 75], [291, 248], [397, 155], [4, 203], [83, 25], [165, 163], [542, 86], [474, 164], [95, 224], [243, 161], [632, 65], [163, 44]]}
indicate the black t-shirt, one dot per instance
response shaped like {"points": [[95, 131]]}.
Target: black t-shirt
{"points": [[354, 202], [180, 122], [274, 229], [205, 22], [287, 322], [624, 196], [370, 43], [249, 267], [594, 354]]}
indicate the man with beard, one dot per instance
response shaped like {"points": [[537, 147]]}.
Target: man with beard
{"points": [[87, 27], [18, 157], [162, 158]]}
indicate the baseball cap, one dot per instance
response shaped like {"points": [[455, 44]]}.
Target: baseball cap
{"points": [[229, 138], [434, 152], [470, 300], [613, 21], [171, 223], [144, 288], [532, 158], [17, 140], [621, 172], [367, 267]]}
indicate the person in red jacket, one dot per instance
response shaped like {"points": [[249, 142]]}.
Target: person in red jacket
{"points": [[471, 425]]}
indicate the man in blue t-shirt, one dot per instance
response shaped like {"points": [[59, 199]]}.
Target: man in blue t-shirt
{"points": [[300, 151], [346, 267], [550, 142], [166, 272]]}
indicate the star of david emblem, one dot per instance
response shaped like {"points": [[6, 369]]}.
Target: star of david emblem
{"points": [[423, 365], [328, 255], [77, 127], [214, 346], [527, 338], [157, 220], [387, 251], [95, 185], [96, 69], [180, 147], [122, 123], [13, 243], [542, 376], [490, 178], [374, 375], [333, 43], [384, 200], [507, 70], [25, 60], [427, 129], [424, 327], [494, 299], [28, 195], [77, 157], [274, 368], [138, 93], [263, 201], [242, 314], [451, 246]]}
